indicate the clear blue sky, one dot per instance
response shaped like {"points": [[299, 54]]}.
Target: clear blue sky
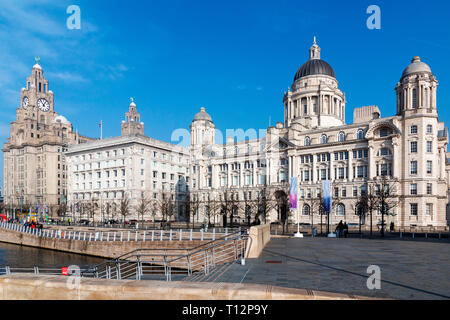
{"points": [[236, 58]]}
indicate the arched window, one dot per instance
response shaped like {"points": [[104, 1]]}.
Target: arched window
{"points": [[340, 211], [385, 152], [414, 98], [323, 139], [307, 141], [306, 210], [360, 134], [341, 137]]}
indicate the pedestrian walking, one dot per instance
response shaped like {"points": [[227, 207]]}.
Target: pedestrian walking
{"points": [[345, 226]]}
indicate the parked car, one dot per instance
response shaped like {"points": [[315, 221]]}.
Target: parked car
{"points": [[85, 222]]}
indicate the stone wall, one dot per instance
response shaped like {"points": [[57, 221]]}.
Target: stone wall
{"points": [[103, 249], [32, 287], [258, 238]]}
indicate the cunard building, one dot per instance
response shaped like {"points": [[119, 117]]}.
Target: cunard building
{"points": [[314, 143]]}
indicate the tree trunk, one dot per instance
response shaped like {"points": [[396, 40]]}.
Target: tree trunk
{"points": [[371, 223]]}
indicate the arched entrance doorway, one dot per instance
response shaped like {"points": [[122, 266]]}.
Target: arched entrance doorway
{"points": [[282, 199]]}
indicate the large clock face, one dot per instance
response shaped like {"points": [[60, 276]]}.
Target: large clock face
{"points": [[43, 105], [25, 102]]}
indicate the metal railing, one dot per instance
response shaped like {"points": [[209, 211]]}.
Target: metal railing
{"points": [[123, 235], [157, 263]]}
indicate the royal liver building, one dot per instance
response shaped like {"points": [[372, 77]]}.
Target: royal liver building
{"points": [[405, 152]]}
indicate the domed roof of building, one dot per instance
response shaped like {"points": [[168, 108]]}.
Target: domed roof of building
{"points": [[416, 66], [202, 115], [61, 119], [314, 67]]}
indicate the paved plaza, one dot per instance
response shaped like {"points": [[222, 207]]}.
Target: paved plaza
{"points": [[409, 269]]}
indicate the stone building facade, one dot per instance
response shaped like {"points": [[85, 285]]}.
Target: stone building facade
{"points": [[406, 151], [35, 168], [132, 166]]}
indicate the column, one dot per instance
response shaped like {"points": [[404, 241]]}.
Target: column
{"points": [[254, 177], [395, 160], [350, 165], [371, 164], [332, 177], [241, 174]]}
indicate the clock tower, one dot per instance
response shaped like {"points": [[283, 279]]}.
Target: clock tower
{"points": [[36, 97], [34, 155]]}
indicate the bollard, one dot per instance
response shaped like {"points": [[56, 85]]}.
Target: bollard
{"points": [[161, 234], [214, 234], [201, 234], [121, 236], [79, 235], [401, 235], [101, 236], [426, 235], [107, 237], [114, 237], [153, 234], [170, 237], [90, 236], [439, 236], [136, 238], [190, 237], [143, 239], [128, 235], [84, 239], [181, 235], [413, 235]]}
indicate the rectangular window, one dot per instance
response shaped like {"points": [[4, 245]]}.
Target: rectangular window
{"points": [[360, 171], [413, 209], [429, 209], [341, 173], [384, 169], [323, 174], [355, 191], [413, 167], [344, 192], [429, 146], [429, 167], [429, 128], [429, 188], [413, 188], [414, 147], [413, 129]]}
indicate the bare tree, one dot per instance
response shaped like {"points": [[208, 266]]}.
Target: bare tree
{"points": [[387, 198], [166, 205], [315, 206], [211, 208], [228, 206], [124, 208], [193, 207], [143, 207], [263, 204]]}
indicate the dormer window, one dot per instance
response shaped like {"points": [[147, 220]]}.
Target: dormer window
{"points": [[360, 134], [307, 141], [323, 139], [341, 137]]}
